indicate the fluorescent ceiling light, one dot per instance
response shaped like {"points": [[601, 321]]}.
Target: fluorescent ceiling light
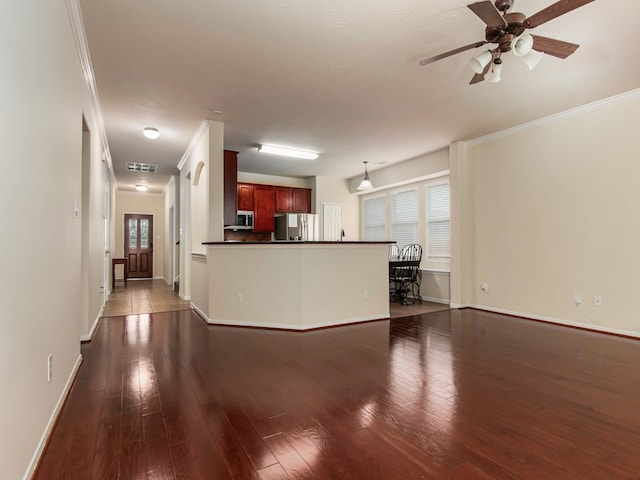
{"points": [[288, 152], [151, 133], [142, 188]]}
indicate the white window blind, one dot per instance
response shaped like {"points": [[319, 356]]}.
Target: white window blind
{"points": [[404, 217], [438, 222], [375, 219]]}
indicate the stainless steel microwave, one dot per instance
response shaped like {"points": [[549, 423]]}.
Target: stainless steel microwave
{"points": [[244, 220]]}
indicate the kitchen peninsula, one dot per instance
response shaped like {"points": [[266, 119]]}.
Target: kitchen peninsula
{"points": [[296, 285]]}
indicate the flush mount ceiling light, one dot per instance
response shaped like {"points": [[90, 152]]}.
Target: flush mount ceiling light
{"points": [[151, 133], [365, 184], [287, 152], [142, 188]]}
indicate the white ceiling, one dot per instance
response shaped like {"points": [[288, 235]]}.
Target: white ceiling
{"points": [[339, 78]]}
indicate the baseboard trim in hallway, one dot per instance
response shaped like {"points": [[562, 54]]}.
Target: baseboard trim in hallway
{"points": [[55, 415]]}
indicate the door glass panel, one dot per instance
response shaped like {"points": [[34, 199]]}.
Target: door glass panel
{"points": [[133, 233], [144, 233]]}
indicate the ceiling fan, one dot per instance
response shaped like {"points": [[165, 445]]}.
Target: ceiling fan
{"points": [[508, 30]]}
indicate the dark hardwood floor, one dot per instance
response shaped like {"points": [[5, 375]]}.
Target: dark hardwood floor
{"points": [[457, 394]]}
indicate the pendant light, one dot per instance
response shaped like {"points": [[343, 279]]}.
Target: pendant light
{"points": [[365, 184]]}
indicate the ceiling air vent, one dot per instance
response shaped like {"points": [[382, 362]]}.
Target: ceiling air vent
{"points": [[142, 167]]}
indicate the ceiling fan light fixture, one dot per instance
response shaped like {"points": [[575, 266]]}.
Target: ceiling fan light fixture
{"points": [[365, 184], [478, 63], [493, 75], [522, 45], [532, 59], [288, 152]]}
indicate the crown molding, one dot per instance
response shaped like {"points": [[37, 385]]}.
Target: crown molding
{"points": [[202, 128], [77, 26], [623, 97]]}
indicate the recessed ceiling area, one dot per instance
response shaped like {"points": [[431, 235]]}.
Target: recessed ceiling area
{"points": [[338, 78]]}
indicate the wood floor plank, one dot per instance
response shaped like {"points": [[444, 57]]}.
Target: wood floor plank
{"points": [[456, 394]]}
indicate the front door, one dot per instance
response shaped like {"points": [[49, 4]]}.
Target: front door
{"points": [[138, 245]]}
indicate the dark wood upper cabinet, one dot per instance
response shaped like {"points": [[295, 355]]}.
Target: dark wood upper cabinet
{"points": [[283, 199], [301, 200], [245, 196], [230, 180], [267, 200], [264, 208]]}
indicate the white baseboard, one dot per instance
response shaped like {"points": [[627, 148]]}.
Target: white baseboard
{"points": [[436, 300], [459, 305], [559, 321], [285, 326], [52, 420], [89, 336], [195, 308], [184, 297]]}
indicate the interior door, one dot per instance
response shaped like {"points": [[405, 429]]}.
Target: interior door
{"points": [[332, 222], [138, 245]]}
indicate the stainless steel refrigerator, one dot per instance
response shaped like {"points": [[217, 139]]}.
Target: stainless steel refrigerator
{"points": [[297, 226]]}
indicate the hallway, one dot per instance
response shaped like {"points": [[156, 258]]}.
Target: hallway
{"points": [[143, 296]]}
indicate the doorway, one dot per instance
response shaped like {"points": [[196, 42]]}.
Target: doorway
{"points": [[138, 245], [332, 222]]}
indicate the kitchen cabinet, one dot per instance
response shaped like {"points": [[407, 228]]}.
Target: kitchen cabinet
{"points": [[230, 180], [267, 200], [245, 196], [301, 200], [283, 199], [264, 202]]}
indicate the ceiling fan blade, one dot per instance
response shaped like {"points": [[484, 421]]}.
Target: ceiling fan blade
{"points": [[552, 11], [551, 46], [479, 77], [488, 13], [427, 61]]}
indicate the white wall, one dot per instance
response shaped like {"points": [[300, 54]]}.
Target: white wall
{"points": [[203, 207], [94, 210], [409, 171], [40, 144], [148, 204], [553, 213], [287, 286]]}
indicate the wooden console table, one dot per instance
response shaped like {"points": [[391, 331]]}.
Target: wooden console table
{"points": [[125, 264]]}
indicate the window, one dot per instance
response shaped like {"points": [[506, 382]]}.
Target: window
{"points": [[416, 212], [438, 222], [404, 217], [375, 219]]}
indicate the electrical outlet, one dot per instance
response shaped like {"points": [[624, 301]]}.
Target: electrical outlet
{"points": [[49, 367], [365, 294], [577, 298], [239, 298], [485, 287], [597, 301]]}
